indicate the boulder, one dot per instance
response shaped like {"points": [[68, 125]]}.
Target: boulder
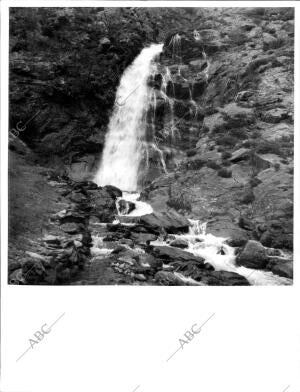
{"points": [[284, 269], [143, 238], [102, 205], [125, 207], [254, 255], [113, 191], [166, 221], [179, 243], [240, 155], [170, 254]]}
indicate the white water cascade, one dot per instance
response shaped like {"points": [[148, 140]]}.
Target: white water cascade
{"points": [[123, 144]]}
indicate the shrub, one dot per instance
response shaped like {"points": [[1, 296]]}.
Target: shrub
{"points": [[227, 140], [255, 134], [226, 163], [248, 197], [269, 147], [213, 165], [277, 166], [225, 173], [238, 37], [276, 44], [239, 133], [180, 202]]}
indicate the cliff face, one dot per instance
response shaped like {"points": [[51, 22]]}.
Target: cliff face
{"points": [[230, 155], [223, 113]]}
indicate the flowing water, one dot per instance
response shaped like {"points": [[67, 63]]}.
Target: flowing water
{"points": [[122, 157], [213, 249], [126, 131]]}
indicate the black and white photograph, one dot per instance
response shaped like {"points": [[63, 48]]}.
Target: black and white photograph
{"points": [[151, 146], [150, 193]]}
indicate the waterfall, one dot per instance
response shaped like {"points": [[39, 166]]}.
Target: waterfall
{"points": [[122, 152]]}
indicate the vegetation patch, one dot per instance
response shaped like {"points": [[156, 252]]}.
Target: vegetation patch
{"points": [[225, 173]]}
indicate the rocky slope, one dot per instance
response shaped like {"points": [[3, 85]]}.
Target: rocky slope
{"points": [[236, 133], [224, 129]]}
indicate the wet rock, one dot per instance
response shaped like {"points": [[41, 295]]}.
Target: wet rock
{"points": [[199, 86], [143, 237], [125, 206], [113, 191], [281, 267], [102, 205], [169, 254], [179, 243], [179, 90], [254, 255], [169, 221]]}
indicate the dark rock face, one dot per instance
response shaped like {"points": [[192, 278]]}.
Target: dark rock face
{"points": [[102, 205], [254, 255], [281, 267], [125, 207], [168, 221], [179, 243], [169, 254]]}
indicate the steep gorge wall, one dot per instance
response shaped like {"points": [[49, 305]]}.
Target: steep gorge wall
{"points": [[231, 161]]}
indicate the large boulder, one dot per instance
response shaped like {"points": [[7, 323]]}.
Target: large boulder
{"points": [[166, 221], [170, 254], [281, 267], [254, 255], [102, 205], [179, 243]]}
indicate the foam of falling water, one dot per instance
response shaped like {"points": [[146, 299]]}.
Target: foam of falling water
{"points": [[215, 251], [222, 256], [122, 151]]}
